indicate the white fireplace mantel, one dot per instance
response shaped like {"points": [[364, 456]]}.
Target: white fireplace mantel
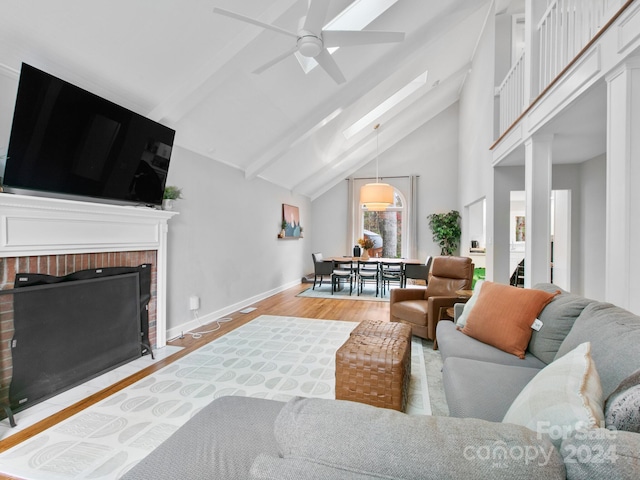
{"points": [[31, 226]]}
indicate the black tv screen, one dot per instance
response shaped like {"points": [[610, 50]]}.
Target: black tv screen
{"points": [[67, 142]]}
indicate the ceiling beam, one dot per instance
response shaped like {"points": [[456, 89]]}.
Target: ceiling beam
{"points": [[413, 118], [198, 86], [351, 92]]}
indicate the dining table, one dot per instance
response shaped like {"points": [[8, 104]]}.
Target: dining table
{"points": [[412, 261]]}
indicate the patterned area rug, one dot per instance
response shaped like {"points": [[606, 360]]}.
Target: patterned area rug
{"points": [[368, 293], [270, 357]]}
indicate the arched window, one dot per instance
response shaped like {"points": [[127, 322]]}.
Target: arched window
{"points": [[388, 229]]}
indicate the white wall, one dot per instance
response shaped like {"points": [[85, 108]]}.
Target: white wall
{"points": [[430, 152], [592, 235], [476, 135], [223, 246]]}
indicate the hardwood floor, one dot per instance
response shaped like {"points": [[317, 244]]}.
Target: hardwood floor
{"points": [[285, 303]]}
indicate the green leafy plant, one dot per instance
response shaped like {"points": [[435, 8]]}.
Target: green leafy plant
{"points": [[446, 231], [284, 224], [172, 193]]}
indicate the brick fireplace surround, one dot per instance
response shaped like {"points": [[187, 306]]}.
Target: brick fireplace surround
{"points": [[59, 237]]}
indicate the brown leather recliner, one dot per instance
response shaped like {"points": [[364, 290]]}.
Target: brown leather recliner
{"points": [[421, 308]]}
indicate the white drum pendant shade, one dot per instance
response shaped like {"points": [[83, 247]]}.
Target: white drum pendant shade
{"points": [[376, 196]]}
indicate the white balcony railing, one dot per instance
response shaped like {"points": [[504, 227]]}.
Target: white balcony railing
{"points": [[564, 29]]}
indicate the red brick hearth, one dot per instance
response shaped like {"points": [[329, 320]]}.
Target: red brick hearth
{"points": [[60, 265]]}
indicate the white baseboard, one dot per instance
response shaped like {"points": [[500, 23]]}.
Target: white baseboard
{"points": [[194, 323]]}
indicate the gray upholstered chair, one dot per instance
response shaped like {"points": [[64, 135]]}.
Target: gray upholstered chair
{"points": [[321, 268], [418, 272], [420, 308]]}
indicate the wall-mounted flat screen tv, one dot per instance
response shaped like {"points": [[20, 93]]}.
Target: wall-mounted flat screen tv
{"points": [[70, 143]]}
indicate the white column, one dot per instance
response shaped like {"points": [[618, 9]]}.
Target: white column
{"points": [[537, 173], [623, 180]]}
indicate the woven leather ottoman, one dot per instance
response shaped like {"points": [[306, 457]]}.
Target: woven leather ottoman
{"points": [[380, 328], [375, 369]]}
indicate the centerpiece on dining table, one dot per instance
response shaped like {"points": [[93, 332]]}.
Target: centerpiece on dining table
{"points": [[366, 243]]}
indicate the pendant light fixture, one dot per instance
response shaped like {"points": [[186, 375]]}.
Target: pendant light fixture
{"points": [[376, 197]]}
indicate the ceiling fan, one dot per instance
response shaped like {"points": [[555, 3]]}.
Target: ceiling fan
{"points": [[312, 41]]}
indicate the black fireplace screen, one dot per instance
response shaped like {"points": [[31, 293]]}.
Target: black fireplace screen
{"points": [[67, 332]]}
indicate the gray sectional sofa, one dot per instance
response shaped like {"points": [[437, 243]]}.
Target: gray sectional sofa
{"points": [[250, 438]]}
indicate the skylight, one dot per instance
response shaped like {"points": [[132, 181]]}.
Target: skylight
{"points": [[387, 105], [355, 17]]}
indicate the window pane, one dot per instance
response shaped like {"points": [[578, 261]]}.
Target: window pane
{"points": [[388, 225]]}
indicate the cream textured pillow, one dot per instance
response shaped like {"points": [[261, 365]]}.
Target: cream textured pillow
{"points": [[563, 397], [462, 319]]}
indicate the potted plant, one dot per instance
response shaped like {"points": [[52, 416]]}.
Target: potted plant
{"points": [[171, 193], [283, 227], [446, 231]]}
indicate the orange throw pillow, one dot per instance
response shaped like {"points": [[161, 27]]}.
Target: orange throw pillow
{"points": [[503, 315]]}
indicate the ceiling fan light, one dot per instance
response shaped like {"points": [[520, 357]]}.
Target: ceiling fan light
{"points": [[309, 46], [376, 195]]}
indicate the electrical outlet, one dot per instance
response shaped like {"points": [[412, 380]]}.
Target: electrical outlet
{"points": [[194, 302]]}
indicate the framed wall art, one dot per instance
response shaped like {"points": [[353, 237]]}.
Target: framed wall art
{"points": [[291, 221]]}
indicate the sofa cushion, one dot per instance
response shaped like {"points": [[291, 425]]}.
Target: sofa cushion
{"points": [[382, 443], [268, 467], [564, 397], [622, 408], [482, 390], [220, 441], [461, 321], [502, 316], [454, 343], [614, 334], [602, 453], [557, 319]]}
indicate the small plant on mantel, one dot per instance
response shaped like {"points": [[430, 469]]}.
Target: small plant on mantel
{"points": [[172, 193]]}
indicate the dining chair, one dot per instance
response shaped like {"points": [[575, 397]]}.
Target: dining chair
{"points": [[367, 272], [391, 272], [321, 268], [417, 272], [343, 270]]}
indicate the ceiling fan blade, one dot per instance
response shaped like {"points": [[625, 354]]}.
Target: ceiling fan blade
{"points": [[253, 21], [348, 38], [316, 16], [329, 65], [279, 58]]}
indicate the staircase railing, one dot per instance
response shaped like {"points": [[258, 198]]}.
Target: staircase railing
{"points": [[511, 92]]}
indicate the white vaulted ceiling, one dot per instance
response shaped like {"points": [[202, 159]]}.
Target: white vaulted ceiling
{"points": [[179, 63]]}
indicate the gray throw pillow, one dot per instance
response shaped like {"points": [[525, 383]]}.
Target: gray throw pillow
{"points": [[622, 408], [602, 454], [614, 334], [375, 442], [557, 320]]}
